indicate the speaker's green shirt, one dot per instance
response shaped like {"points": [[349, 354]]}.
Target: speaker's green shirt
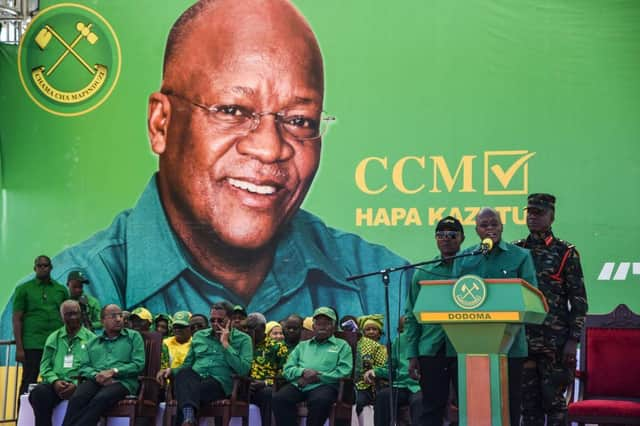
{"points": [[503, 261]]}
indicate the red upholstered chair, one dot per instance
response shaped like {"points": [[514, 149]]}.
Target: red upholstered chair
{"points": [[609, 374]]}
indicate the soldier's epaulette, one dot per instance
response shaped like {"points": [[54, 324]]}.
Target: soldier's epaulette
{"points": [[569, 246]]}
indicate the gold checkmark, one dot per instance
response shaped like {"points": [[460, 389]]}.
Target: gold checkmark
{"points": [[505, 177]]}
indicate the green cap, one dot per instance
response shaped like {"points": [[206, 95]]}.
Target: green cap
{"points": [[240, 308], [181, 318], [77, 276], [142, 313], [327, 312]]}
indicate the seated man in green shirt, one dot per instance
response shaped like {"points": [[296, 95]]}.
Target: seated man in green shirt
{"points": [[216, 354], [313, 370], [60, 363], [111, 365], [504, 260], [89, 305]]}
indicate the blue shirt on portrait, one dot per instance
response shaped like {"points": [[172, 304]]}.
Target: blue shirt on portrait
{"points": [[138, 261]]}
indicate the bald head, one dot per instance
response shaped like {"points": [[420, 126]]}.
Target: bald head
{"points": [[222, 29], [488, 224]]}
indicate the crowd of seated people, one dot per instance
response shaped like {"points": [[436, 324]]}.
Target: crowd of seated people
{"points": [[287, 360]]}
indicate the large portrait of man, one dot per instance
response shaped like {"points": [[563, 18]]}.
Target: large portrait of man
{"points": [[237, 125]]}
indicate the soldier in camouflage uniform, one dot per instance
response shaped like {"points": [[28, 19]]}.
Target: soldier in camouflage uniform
{"points": [[549, 367]]}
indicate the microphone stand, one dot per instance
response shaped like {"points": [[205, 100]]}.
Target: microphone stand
{"points": [[384, 274]]}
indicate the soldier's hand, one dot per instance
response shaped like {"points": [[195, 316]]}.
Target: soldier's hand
{"points": [[369, 376], [414, 368], [569, 353], [163, 375]]}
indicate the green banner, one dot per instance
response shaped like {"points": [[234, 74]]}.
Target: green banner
{"points": [[442, 108]]}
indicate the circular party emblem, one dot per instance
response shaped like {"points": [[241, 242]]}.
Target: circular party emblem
{"points": [[69, 60], [469, 292]]}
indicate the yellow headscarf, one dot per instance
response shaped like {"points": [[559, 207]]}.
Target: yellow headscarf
{"points": [[270, 326], [376, 320]]}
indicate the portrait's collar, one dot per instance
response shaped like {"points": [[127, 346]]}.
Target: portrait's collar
{"points": [[150, 241]]}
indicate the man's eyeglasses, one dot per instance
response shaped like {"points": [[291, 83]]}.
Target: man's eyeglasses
{"points": [[241, 121], [447, 235], [114, 315], [217, 320], [43, 265]]}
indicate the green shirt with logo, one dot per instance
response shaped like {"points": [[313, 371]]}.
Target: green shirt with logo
{"points": [[62, 355], [39, 301], [124, 352], [504, 261], [332, 358], [209, 358]]}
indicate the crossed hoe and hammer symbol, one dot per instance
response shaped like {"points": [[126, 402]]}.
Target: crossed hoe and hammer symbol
{"points": [[469, 291], [84, 31]]}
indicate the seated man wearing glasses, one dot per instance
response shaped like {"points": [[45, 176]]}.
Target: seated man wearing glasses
{"points": [[110, 366], [432, 359], [216, 354], [237, 125]]}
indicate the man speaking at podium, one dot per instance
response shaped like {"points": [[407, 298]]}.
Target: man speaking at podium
{"points": [[502, 260]]}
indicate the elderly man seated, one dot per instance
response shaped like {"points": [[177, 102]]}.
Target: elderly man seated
{"points": [[216, 354], [111, 365], [313, 370], [60, 363]]}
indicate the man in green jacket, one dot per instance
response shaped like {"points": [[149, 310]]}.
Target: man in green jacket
{"points": [[60, 363], [36, 314], [504, 260], [432, 359], [111, 365], [216, 354], [313, 371]]}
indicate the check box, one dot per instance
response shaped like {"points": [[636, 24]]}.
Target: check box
{"points": [[506, 172]]}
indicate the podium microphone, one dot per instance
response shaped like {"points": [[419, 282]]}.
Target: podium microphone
{"points": [[486, 245]]}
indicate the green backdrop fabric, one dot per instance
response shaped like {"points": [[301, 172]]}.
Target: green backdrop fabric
{"points": [[443, 107]]}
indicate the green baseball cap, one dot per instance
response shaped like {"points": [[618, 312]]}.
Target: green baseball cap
{"points": [[327, 312], [77, 276], [142, 313], [181, 318]]}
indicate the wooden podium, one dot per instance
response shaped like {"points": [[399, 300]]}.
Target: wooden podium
{"points": [[481, 318]]}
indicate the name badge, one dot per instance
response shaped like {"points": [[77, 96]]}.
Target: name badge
{"points": [[68, 361]]}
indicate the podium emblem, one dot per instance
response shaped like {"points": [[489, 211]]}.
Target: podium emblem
{"points": [[469, 292], [69, 60]]}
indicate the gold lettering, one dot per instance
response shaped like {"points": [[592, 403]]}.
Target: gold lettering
{"points": [[503, 213], [519, 220], [465, 166], [361, 182], [382, 218], [435, 215], [413, 217], [362, 216], [471, 219], [398, 174]]}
